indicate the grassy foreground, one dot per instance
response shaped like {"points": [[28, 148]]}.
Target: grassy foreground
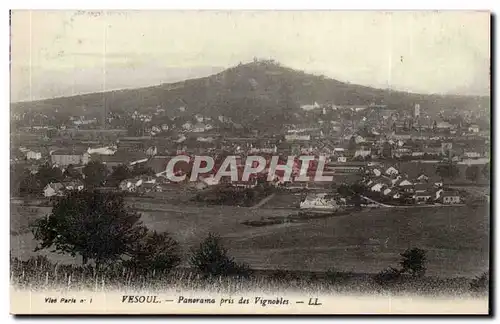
{"points": [[39, 274]]}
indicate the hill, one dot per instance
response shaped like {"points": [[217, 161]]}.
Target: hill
{"points": [[257, 92]]}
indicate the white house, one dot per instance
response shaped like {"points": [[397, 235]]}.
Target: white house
{"points": [[391, 171], [342, 159], [404, 182], [320, 202], [187, 126], [472, 155], [422, 197], [450, 198], [295, 137], [474, 129], [32, 155], [53, 189], [199, 118], [422, 177], [362, 153], [377, 187], [152, 151], [444, 125], [359, 139], [198, 128], [387, 191], [310, 107], [396, 180], [73, 185], [377, 172]]}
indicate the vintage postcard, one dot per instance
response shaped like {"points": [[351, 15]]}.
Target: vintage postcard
{"points": [[250, 162]]}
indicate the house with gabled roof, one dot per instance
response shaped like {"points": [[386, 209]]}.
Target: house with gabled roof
{"points": [[422, 197], [449, 197], [53, 189], [73, 185], [422, 177], [391, 171]]}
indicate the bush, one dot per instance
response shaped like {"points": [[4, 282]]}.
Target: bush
{"points": [[210, 259], [414, 262], [156, 252], [388, 276], [480, 284], [284, 276], [334, 276]]}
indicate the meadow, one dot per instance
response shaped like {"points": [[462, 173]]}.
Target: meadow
{"points": [[368, 241]]}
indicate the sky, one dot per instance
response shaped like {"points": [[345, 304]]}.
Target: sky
{"points": [[63, 53]]}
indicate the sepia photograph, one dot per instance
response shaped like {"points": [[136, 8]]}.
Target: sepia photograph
{"points": [[250, 162]]}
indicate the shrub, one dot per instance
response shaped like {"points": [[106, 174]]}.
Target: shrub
{"points": [[388, 276], [480, 284], [211, 259], [413, 262], [156, 252], [334, 276]]}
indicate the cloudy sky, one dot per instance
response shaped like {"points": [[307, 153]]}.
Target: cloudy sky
{"points": [[61, 53]]}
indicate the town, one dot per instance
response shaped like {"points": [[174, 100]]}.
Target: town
{"points": [[399, 170], [397, 158]]}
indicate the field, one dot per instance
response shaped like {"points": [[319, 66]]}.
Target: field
{"points": [[456, 238]]}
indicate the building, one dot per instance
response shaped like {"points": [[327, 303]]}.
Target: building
{"points": [[474, 129], [422, 197], [310, 107], [297, 137], [391, 171], [450, 198], [320, 202], [53, 189], [152, 151], [108, 150], [344, 167], [446, 148], [33, 155], [67, 157], [422, 178], [444, 125], [73, 185], [129, 158], [362, 153], [417, 110], [472, 155]]}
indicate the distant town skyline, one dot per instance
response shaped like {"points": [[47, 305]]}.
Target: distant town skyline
{"points": [[64, 53]]}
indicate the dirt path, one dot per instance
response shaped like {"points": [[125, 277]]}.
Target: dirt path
{"points": [[263, 201]]}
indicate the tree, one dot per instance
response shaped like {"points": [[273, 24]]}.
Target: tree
{"points": [[211, 259], [120, 173], [481, 283], [486, 171], [387, 276], [448, 170], [387, 150], [413, 262], [394, 128], [344, 190], [472, 172], [30, 184], [71, 172], [95, 174], [97, 226], [18, 174], [49, 174], [352, 143], [155, 251], [139, 170]]}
